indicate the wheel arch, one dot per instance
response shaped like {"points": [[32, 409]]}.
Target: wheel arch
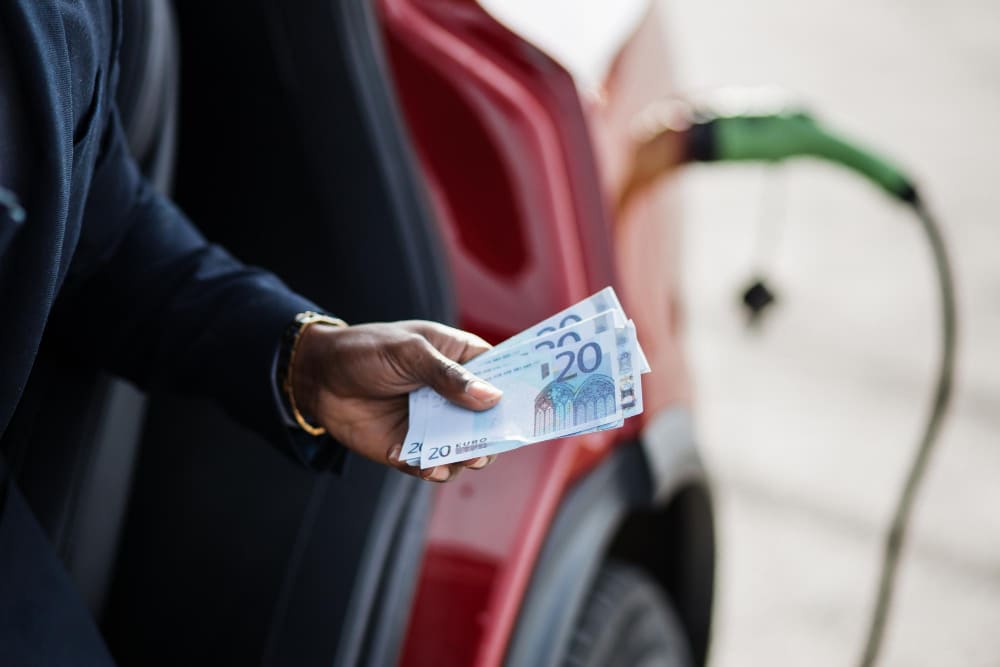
{"points": [[649, 538], [648, 504]]}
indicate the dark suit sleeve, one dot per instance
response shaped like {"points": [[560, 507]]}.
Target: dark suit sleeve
{"points": [[166, 309]]}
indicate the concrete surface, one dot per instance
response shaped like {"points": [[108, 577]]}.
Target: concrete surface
{"points": [[808, 424]]}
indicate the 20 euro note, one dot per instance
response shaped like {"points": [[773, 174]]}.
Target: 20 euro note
{"points": [[548, 394], [629, 382], [628, 351], [574, 331], [603, 301], [599, 302], [497, 360]]}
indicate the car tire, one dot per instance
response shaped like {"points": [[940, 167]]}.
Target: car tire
{"points": [[627, 621]]}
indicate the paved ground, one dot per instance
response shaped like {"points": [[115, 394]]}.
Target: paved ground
{"points": [[809, 423]]}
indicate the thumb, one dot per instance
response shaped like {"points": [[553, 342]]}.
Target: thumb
{"points": [[451, 380]]}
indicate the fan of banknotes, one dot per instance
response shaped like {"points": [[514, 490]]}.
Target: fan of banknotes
{"points": [[573, 373]]}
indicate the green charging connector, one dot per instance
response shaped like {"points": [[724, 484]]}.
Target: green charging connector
{"points": [[787, 134]]}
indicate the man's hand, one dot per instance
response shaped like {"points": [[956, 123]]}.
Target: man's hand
{"points": [[354, 381]]}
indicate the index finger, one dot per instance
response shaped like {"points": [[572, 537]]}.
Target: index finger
{"points": [[455, 344]]}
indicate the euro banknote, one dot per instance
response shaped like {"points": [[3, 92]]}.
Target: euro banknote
{"points": [[548, 393], [541, 372], [599, 302]]}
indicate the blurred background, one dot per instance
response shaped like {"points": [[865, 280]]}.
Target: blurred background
{"points": [[809, 422]]}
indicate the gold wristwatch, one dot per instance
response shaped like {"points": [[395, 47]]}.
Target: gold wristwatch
{"points": [[286, 362]]}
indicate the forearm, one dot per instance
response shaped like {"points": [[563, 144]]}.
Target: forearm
{"points": [[161, 306]]}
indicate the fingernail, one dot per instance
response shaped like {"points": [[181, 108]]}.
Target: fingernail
{"points": [[440, 474], [480, 463], [482, 391], [394, 453]]}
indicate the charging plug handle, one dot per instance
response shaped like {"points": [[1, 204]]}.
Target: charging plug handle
{"points": [[787, 134]]}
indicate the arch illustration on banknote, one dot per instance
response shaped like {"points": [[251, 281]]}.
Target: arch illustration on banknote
{"points": [[558, 406]]}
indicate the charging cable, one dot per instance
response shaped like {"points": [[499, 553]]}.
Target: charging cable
{"points": [[761, 125]]}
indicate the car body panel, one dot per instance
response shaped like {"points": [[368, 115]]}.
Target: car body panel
{"points": [[521, 169]]}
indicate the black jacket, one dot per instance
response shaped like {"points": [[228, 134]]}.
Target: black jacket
{"points": [[159, 305]]}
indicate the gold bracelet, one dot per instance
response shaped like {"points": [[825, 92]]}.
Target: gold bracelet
{"points": [[304, 321]]}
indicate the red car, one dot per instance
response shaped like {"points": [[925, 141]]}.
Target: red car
{"points": [[391, 159]]}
